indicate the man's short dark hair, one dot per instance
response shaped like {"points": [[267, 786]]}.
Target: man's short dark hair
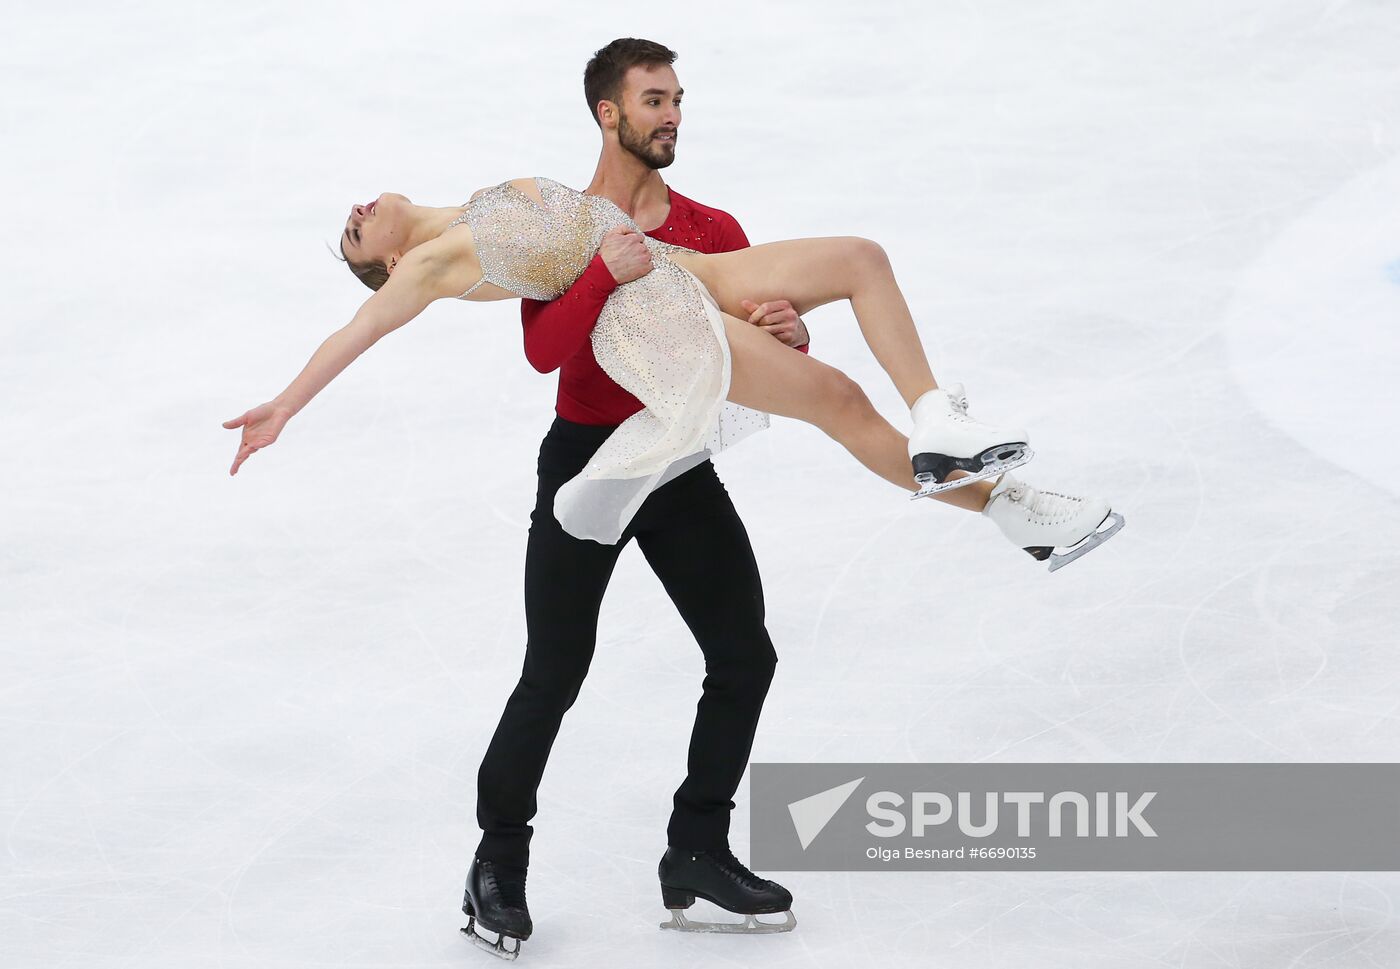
{"points": [[602, 78]]}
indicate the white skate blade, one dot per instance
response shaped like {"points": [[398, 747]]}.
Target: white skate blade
{"points": [[497, 948], [992, 469], [750, 926], [1088, 543]]}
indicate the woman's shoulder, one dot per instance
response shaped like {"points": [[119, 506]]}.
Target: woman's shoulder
{"points": [[554, 187], [543, 193], [533, 187]]}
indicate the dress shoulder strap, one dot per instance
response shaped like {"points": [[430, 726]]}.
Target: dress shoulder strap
{"points": [[472, 289], [458, 221]]}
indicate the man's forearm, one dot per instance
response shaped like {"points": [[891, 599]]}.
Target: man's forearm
{"points": [[556, 330], [334, 354]]}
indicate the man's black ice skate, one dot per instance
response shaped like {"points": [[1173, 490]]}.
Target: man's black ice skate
{"points": [[495, 900], [717, 876]]}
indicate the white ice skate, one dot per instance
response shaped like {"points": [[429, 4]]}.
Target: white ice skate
{"points": [[945, 440], [1043, 521]]}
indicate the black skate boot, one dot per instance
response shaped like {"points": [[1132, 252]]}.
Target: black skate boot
{"points": [[717, 876], [495, 900]]}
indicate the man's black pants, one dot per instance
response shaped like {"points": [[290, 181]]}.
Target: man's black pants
{"points": [[697, 546]]}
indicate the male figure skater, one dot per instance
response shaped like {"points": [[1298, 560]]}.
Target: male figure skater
{"points": [[688, 530]]}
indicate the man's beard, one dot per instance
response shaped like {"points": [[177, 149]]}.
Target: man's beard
{"points": [[648, 152]]}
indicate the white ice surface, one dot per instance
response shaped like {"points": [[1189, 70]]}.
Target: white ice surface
{"points": [[240, 718]]}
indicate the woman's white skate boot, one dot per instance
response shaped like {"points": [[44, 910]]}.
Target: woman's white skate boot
{"points": [[945, 440], [1043, 521]]}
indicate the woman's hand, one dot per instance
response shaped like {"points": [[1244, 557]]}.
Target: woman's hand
{"points": [[261, 425]]}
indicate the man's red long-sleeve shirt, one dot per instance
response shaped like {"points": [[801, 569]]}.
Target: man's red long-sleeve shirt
{"points": [[557, 332]]}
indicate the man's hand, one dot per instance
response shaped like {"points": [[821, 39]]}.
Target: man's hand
{"points": [[625, 253], [778, 318]]}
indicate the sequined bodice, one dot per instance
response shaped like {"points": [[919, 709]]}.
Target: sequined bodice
{"points": [[661, 337], [538, 251]]}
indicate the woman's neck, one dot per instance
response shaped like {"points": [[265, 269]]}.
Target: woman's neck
{"points": [[427, 222]]}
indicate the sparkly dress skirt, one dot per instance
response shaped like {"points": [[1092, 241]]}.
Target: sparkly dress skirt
{"points": [[664, 343], [660, 337]]}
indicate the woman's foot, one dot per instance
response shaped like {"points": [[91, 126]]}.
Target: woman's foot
{"points": [[1042, 522], [945, 439]]}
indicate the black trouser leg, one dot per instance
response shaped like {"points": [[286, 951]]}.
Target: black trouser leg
{"points": [[698, 547], [695, 542], [565, 579]]}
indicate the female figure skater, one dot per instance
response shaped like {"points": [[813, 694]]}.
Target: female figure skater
{"points": [[707, 378]]}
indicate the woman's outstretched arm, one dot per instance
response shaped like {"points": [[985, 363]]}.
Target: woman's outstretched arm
{"points": [[419, 278]]}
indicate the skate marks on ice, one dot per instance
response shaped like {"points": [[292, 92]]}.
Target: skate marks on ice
{"points": [[1311, 328]]}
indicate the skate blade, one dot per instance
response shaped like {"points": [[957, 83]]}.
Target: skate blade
{"points": [[991, 469], [1088, 543], [750, 926], [497, 948]]}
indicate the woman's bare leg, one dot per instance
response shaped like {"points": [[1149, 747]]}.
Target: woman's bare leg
{"points": [[768, 376], [812, 272]]}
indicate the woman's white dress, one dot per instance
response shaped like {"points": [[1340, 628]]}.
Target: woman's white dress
{"points": [[660, 337]]}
